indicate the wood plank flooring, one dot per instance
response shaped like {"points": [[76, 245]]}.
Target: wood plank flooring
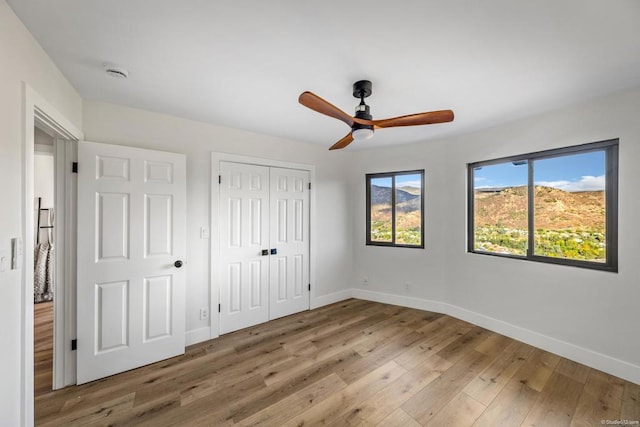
{"points": [[43, 347], [351, 363]]}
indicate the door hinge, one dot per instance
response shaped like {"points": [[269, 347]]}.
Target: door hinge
{"points": [[309, 186], [219, 308], [309, 287], [74, 344], [74, 167], [219, 179]]}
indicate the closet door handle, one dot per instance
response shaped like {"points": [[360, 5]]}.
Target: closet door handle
{"points": [[265, 252], [274, 251], [178, 264]]}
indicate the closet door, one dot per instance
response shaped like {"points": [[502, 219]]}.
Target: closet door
{"points": [[289, 229], [244, 246], [263, 271]]}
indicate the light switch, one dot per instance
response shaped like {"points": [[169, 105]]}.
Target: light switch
{"points": [[16, 252]]}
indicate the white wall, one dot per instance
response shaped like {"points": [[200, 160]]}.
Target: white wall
{"points": [[43, 183], [390, 269], [43, 177], [589, 316], [120, 125], [594, 310], [22, 61]]}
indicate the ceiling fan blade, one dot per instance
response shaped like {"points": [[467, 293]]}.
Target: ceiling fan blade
{"points": [[431, 117], [318, 104], [343, 142]]}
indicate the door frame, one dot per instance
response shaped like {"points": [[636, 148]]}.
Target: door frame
{"points": [[36, 109], [214, 225]]}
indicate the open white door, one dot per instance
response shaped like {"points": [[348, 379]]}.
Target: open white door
{"points": [[289, 258], [131, 244]]}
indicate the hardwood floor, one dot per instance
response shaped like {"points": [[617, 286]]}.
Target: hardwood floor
{"points": [[43, 347], [351, 363]]}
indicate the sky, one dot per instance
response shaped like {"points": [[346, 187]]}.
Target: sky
{"points": [[577, 172], [412, 180]]}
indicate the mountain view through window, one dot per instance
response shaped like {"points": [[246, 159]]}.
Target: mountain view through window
{"points": [[394, 209], [564, 217]]}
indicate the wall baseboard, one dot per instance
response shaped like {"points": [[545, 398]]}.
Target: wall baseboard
{"points": [[401, 300], [197, 335], [593, 359], [322, 300]]}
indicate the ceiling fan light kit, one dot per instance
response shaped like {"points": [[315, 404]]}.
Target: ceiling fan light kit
{"points": [[361, 134], [362, 124]]}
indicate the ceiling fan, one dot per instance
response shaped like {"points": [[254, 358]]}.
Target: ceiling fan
{"points": [[362, 126]]}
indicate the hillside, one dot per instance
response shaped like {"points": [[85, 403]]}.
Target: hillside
{"points": [[411, 190], [407, 199], [408, 215], [382, 195], [555, 209]]}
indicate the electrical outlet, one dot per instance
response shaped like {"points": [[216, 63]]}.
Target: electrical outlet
{"points": [[365, 281], [204, 313]]}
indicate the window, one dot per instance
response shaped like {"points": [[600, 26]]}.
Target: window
{"points": [[557, 206], [395, 205]]}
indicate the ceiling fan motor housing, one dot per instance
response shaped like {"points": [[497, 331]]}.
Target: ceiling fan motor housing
{"points": [[361, 90], [362, 112]]}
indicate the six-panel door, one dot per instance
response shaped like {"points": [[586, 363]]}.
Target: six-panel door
{"points": [[131, 231], [264, 244], [289, 266], [244, 234]]}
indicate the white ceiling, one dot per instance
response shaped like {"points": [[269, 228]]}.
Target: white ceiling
{"points": [[243, 63]]}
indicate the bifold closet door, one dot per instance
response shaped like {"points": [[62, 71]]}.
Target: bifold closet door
{"points": [[289, 228], [264, 244], [244, 235]]}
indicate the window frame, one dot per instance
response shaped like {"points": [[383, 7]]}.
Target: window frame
{"points": [[392, 175], [610, 148]]}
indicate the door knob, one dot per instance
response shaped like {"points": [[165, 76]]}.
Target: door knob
{"points": [[265, 252], [178, 264], [274, 251]]}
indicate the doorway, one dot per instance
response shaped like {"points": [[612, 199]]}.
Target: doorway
{"points": [[54, 258], [39, 113], [44, 260]]}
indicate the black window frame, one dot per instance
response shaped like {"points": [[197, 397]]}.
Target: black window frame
{"points": [[392, 175], [611, 149]]}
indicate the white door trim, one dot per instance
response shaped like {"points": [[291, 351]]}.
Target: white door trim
{"points": [[64, 303], [216, 158], [35, 109]]}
